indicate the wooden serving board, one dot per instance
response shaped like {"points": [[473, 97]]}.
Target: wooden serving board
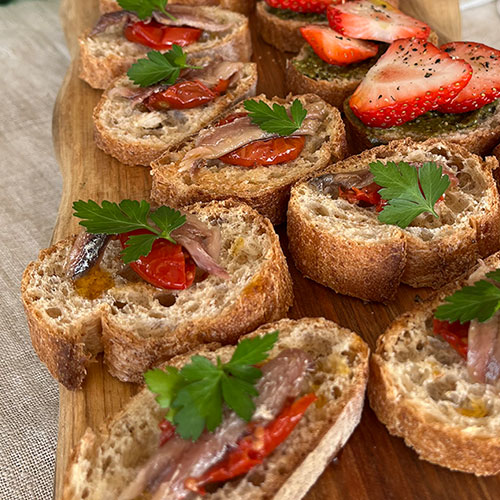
{"points": [[373, 464]]}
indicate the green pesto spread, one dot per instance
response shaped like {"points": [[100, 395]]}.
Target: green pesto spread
{"points": [[314, 67], [306, 17], [430, 124]]}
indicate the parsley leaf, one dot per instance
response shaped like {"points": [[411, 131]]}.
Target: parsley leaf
{"points": [[196, 394], [168, 219], [158, 67], [237, 395], [276, 119], [138, 245], [164, 383], [254, 350], [189, 424], [478, 301], [129, 215], [144, 8], [409, 191], [206, 396]]}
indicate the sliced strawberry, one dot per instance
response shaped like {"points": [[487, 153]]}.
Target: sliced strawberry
{"points": [[375, 20], [337, 49], [411, 78], [302, 5], [484, 86]]}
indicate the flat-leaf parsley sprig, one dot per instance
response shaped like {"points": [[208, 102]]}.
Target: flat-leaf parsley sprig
{"points": [[479, 301], [409, 191], [159, 67], [145, 8], [276, 120], [196, 394], [129, 215]]}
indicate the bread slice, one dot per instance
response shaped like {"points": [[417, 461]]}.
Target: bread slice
{"points": [[138, 325], [419, 388], [346, 248], [107, 55], [307, 73], [104, 463], [242, 6], [265, 188], [281, 27], [496, 152], [478, 131], [137, 137]]}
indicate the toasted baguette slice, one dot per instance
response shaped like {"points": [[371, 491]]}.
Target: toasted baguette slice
{"points": [[307, 73], [103, 463], [345, 247], [109, 54], [478, 131], [138, 325], [281, 27], [496, 152], [265, 188], [419, 388], [242, 6], [137, 137]]}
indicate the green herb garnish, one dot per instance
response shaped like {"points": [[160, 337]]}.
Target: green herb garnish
{"points": [[409, 191], [159, 67], [479, 301], [145, 8], [129, 215], [276, 119], [196, 394]]}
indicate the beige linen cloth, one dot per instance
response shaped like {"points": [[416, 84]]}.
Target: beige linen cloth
{"points": [[33, 60]]}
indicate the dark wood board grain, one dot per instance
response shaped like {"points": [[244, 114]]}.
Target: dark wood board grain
{"points": [[373, 465]]}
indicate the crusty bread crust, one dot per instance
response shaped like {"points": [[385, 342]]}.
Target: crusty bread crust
{"points": [[129, 322], [126, 440], [327, 254], [371, 272], [100, 67], [334, 92], [436, 437], [139, 150], [241, 6], [479, 140], [266, 188], [284, 34], [496, 152], [64, 356]]}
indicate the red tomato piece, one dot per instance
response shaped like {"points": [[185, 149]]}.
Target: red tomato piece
{"points": [[182, 95], [252, 449], [368, 195], [456, 334], [266, 152], [159, 36], [166, 266], [167, 431], [221, 86]]}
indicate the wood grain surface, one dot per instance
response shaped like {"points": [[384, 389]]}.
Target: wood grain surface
{"points": [[373, 464]]}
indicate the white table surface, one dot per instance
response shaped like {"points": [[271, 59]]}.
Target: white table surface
{"points": [[33, 60]]}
